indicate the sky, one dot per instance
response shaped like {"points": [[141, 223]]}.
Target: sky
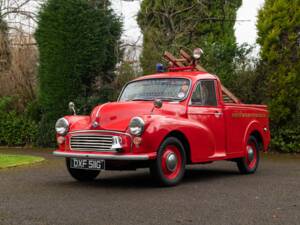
{"points": [[128, 11], [245, 31]]}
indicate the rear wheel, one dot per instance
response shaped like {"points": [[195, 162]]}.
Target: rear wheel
{"points": [[169, 167], [81, 175], [249, 163]]}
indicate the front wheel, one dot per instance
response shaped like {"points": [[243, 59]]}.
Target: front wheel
{"points": [[169, 167], [82, 175], [249, 163]]}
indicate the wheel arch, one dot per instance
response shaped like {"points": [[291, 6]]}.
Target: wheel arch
{"points": [[183, 139], [187, 131], [255, 129], [257, 135]]}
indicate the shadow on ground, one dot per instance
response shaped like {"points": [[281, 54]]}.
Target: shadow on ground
{"points": [[143, 179]]}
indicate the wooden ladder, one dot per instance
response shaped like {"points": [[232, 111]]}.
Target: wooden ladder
{"points": [[186, 61]]}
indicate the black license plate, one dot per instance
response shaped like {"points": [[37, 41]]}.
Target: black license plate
{"points": [[87, 164]]}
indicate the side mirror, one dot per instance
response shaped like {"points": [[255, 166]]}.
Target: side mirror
{"points": [[72, 108], [158, 103]]}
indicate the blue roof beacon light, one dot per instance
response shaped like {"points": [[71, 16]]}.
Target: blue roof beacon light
{"points": [[160, 68]]}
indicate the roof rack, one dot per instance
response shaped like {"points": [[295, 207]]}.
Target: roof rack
{"points": [[189, 63]]}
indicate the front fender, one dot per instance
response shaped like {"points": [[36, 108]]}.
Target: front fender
{"points": [[78, 122], [200, 138]]}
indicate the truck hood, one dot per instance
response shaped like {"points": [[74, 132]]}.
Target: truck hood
{"points": [[117, 115]]}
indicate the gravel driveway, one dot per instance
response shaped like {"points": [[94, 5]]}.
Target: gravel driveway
{"points": [[211, 194]]}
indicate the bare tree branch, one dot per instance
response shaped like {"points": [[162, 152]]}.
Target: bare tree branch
{"points": [[19, 12]]}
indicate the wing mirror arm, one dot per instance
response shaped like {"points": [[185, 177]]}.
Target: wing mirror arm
{"points": [[158, 103], [72, 108]]}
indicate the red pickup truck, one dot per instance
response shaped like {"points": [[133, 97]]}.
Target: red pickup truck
{"points": [[164, 122]]}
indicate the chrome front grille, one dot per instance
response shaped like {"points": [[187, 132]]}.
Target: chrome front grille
{"points": [[91, 142]]}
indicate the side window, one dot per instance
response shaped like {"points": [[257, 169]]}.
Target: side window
{"points": [[205, 94]]}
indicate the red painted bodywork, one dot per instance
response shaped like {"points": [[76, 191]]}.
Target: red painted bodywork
{"points": [[209, 137]]}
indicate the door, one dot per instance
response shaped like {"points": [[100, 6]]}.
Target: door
{"points": [[205, 110]]}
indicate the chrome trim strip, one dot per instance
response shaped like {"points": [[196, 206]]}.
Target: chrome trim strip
{"points": [[98, 111], [91, 142], [97, 156], [95, 150], [91, 145], [99, 131], [92, 138]]}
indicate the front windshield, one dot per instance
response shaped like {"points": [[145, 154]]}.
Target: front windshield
{"points": [[173, 89]]}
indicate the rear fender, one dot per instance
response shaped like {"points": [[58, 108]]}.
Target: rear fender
{"points": [[251, 128]]}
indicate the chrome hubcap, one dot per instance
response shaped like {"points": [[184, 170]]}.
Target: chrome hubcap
{"points": [[250, 154], [171, 162]]}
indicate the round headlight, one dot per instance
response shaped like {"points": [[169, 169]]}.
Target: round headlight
{"points": [[62, 126], [136, 126]]}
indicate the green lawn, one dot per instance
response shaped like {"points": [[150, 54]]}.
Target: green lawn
{"points": [[17, 160]]}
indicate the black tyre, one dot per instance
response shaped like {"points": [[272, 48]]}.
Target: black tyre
{"points": [[169, 166], [81, 175], [250, 162]]}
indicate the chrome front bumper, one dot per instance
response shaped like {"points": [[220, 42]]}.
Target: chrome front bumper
{"points": [[133, 157]]}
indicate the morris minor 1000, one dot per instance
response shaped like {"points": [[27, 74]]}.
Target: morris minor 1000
{"points": [[164, 122]]}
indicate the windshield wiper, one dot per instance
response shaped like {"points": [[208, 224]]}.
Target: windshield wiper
{"points": [[141, 99], [151, 99], [170, 99]]}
